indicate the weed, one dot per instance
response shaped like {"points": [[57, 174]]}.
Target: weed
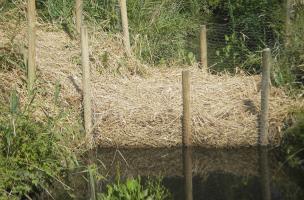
{"points": [[294, 142], [134, 189], [30, 152]]}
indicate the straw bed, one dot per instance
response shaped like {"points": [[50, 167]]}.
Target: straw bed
{"points": [[136, 106]]}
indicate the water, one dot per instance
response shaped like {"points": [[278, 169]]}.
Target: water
{"points": [[247, 173]]}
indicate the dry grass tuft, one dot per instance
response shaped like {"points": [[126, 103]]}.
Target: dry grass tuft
{"points": [[136, 106]]}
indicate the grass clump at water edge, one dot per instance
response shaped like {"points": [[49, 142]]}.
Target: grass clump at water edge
{"points": [[31, 154], [136, 189]]}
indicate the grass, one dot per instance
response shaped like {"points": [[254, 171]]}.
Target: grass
{"points": [[293, 145], [136, 189], [289, 68], [32, 151], [167, 32], [30, 154]]}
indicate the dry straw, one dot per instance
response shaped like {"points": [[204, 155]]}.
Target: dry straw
{"points": [[136, 106]]}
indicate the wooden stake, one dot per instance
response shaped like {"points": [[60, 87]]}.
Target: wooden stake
{"points": [[78, 8], [186, 109], [125, 26], [86, 80], [203, 46], [264, 124], [31, 65]]}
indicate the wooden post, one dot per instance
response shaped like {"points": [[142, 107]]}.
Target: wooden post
{"points": [[78, 8], [264, 124], [125, 26], [31, 65], [203, 46], [264, 173], [86, 80], [288, 23], [186, 109], [187, 168]]}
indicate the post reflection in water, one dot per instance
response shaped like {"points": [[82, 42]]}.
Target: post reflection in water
{"points": [[187, 171], [264, 173], [92, 195]]}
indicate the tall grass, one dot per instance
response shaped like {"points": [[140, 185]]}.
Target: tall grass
{"points": [[136, 189], [159, 28], [167, 31], [289, 69], [32, 154]]}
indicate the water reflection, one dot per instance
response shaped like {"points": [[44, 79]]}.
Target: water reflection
{"points": [[187, 169], [264, 172], [264, 175], [194, 173]]}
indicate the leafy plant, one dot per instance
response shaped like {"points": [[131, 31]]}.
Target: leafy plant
{"points": [[293, 145], [133, 189], [30, 152], [289, 70]]}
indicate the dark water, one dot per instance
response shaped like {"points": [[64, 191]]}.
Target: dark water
{"points": [[248, 173]]}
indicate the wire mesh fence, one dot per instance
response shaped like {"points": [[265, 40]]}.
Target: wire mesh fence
{"points": [[238, 47]]}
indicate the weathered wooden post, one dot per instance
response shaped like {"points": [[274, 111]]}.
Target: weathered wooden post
{"points": [[186, 109], [125, 26], [78, 8], [86, 80], [31, 64], [203, 47], [288, 23], [264, 124], [187, 168]]}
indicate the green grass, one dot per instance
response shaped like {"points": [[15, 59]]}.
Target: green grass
{"points": [[31, 150], [293, 145], [289, 69], [165, 31], [136, 189]]}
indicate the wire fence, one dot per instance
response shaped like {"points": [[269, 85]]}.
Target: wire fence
{"points": [[238, 47]]}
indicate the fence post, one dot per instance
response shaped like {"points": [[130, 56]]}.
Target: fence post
{"points": [[125, 26], [86, 80], [264, 124], [186, 108], [203, 47], [78, 9], [31, 65]]}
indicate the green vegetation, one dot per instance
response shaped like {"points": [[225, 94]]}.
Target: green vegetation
{"points": [[292, 150], [290, 65], [293, 146], [168, 31], [135, 189], [31, 153], [35, 155], [164, 31]]}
